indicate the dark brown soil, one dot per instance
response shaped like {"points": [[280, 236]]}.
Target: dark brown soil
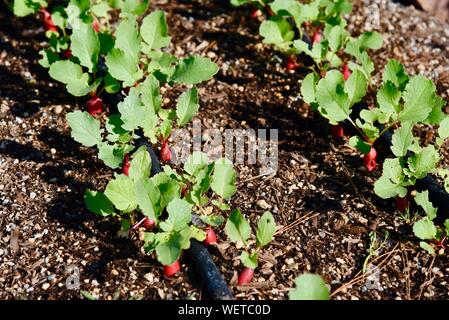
{"points": [[321, 196]]}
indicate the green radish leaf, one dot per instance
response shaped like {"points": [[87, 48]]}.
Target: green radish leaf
{"points": [[123, 67], [149, 121], [286, 7], [127, 38], [197, 233], [169, 188], [131, 110], [194, 69], [424, 162], [308, 88], [390, 184], [162, 63], [249, 260], [443, 130], [223, 179], [136, 7], [388, 98], [107, 42], [179, 215], [422, 199], [140, 164], [121, 192], [110, 155], [148, 198], [98, 203], [427, 247], [359, 144], [436, 115], [48, 57], [72, 76], [100, 9], [195, 162], [309, 287], [114, 128], [111, 85], [201, 184], [85, 128], [446, 226], [355, 86], [309, 12], [370, 40], [418, 98], [150, 241], [395, 72], [337, 7], [150, 94], [88, 295], [425, 229], [337, 38], [221, 205], [266, 229], [154, 30], [214, 221], [402, 139], [187, 106], [85, 45], [169, 251], [367, 64], [277, 31], [237, 228], [331, 97], [238, 3], [22, 8]]}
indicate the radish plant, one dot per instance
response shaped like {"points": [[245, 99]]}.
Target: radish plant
{"points": [[238, 229], [177, 227], [309, 287], [400, 99], [411, 163], [330, 41], [134, 60]]}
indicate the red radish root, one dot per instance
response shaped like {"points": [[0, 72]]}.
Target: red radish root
{"points": [[370, 159], [126, 164], [246, 276], [291, 63], [255, 13], [211, 237], [146, 222], [96, 26], [47, 20], [172, 269], [337, 131], [316, 38], [402, 204], [67, 54], [165, 152], [346, 72], [94, 105]]}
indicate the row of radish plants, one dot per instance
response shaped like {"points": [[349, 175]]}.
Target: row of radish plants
{"points": [[114, 48], [99, 49], [337, 88]]}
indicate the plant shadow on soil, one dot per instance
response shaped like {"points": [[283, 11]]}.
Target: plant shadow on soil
{"points": [[28, 93]]}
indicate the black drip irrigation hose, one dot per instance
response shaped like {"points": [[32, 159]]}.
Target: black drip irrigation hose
{"points": [[199, 255]]}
